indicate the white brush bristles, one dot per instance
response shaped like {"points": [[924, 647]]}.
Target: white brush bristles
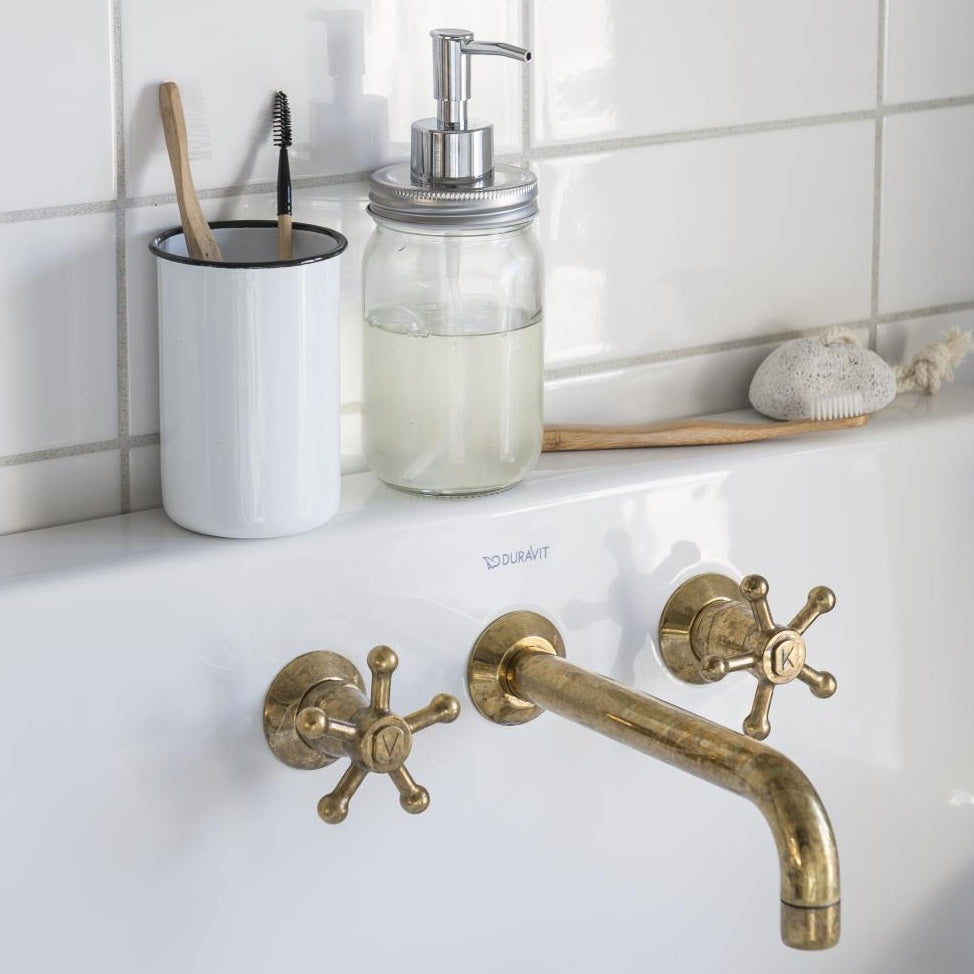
{"points": [[197, 123], [840, 406]]}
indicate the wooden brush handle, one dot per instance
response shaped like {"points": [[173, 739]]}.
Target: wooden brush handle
{"points": [[683, 432], [199, 238], [285, 247]]}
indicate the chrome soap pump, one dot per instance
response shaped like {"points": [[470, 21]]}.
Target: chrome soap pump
{"points": [[452, 295]]}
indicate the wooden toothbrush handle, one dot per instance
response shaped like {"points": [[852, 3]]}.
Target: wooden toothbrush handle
{"points": [[685, 432], [285, 246], [199, 237]]}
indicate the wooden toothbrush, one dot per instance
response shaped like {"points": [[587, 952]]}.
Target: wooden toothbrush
{"points": [[684, 432], [199, 238]]}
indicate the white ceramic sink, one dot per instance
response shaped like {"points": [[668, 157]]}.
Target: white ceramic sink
{"points": [[147, 828]]}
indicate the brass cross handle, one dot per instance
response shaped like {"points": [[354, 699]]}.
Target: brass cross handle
{"points": [[316, 711], [707, 631]]}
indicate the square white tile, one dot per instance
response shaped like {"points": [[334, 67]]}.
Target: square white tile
{"points": [[56, 70], [927, 238], [694, 386], [145, 487], [616, 68], [58, 333], [357, 74], [930, 49], [142, 225], [686, 244], [59, 491]]}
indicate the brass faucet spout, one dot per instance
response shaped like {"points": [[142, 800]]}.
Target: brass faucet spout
{"points": [[530, 675]]}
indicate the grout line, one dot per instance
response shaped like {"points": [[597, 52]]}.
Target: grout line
{"points": [[132, 441], [81, 449], [570, 149], [161, 199], [58, 453], [260, 189], [57, 212], [674, 355], [125, 480], [251, 189], [891, 317], [696, 135], [121, 290], [878, 157], [527, 79], [535, 152], [902, 108]]}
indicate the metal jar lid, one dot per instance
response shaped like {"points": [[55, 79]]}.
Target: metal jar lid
{"points": [[507, 197]]}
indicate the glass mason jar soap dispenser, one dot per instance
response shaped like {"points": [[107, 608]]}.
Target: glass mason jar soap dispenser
{"points": [[452, 291]]}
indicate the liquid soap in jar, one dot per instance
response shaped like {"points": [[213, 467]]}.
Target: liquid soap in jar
{"points": [[452, 291]]}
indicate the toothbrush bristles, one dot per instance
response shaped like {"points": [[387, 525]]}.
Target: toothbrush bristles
{"points": [[282, 121], [837, 406]]}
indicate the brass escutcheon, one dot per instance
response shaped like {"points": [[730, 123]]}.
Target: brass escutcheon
{"points": [[490, 660]]}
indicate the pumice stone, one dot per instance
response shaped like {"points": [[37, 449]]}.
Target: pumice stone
{"points": [[801, 371]]}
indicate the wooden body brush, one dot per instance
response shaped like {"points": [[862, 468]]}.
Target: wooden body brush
{"points": [[196, 231]]}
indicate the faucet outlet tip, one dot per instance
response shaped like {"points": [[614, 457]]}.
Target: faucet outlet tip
{"points": [[810, 928]]}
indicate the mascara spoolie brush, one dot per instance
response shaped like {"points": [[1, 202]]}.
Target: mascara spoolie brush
{"points": [[282, 139]]}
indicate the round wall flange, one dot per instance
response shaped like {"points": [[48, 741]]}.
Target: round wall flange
{"points": [[679, 613], [489, 662], [284, 697]]}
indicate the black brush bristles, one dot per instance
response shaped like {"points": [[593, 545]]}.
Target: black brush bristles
{"points": [[282, 139], [282, 121]]}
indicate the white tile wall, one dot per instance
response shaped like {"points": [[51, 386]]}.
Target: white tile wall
{"points": [[642, 393], [142, 225], [691, 243], [927, 242], [714, 177], [59, 490], [929, 43], [58, 359], [56, 75], [356, 73], [667, 388], [615, 68]]}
